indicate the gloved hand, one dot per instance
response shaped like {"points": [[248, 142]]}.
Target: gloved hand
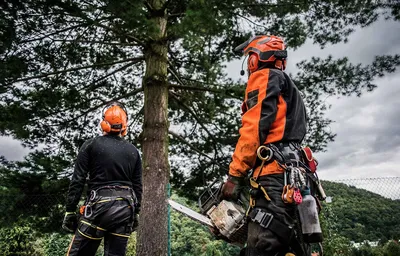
{"points": [[232, 188], [135, 224], [70, 222]]}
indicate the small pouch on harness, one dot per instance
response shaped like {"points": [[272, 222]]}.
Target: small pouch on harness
{"points": [[309, 219], [311, 162]]}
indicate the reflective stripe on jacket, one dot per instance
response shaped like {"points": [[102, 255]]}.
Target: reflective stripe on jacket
{"points": [[273, 111]]}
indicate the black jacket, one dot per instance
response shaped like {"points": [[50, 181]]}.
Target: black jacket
{"points": [[109, 160]]}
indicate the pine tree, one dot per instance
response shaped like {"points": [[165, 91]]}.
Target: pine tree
{"points": [[62, 61]]}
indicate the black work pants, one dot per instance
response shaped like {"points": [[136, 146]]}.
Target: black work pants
{"points": [[264, 241], [111, 220], [82, 246]]}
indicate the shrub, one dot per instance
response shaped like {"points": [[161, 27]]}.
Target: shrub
{"points": [[17, 240], [57, 244]]}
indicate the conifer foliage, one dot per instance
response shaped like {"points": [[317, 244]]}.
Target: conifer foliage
{"points": [[61, 61]]}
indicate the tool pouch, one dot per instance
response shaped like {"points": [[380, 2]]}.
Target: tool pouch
{"points": [[309, 159]]}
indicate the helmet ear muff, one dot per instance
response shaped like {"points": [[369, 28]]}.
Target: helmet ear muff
{"points": [[252, 63], [105, 126]]}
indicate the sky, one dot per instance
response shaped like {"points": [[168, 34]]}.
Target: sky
{"points": [[368, 127], [367, 144]]}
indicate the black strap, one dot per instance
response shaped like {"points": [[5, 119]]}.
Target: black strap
{"points": [[283, 231], [114, 193], [267, 220]]}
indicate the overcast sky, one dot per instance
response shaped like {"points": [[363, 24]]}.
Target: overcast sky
{"points": [[368, 128]]}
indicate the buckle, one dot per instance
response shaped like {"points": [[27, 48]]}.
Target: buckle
{"points": [[263, 218]]}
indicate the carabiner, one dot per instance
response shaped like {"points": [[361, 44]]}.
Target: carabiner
{"points": [[93, 195], [87, 215]]}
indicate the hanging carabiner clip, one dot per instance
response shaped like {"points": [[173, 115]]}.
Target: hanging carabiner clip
{"points": [[88, 211], [93, 195]]}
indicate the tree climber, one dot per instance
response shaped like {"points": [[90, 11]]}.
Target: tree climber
{"points": [[273, 126], [114, 189]]}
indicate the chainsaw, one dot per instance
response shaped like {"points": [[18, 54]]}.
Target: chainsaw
{"points": [[226, 219]]}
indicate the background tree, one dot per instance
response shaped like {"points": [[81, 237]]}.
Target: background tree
{"points": [[61, 61]]}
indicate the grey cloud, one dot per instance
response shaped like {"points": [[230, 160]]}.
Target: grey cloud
{"points": [[12, 149], [368, 134], [362, 47]]}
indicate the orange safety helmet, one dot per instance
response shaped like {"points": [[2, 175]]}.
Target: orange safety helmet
{"points": [[115, 118], [264, 51]]}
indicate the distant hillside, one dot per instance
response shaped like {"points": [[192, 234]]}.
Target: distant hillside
{"points": [[362, 215]]}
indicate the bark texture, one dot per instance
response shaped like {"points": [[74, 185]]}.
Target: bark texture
{"points": [[153, 229]]}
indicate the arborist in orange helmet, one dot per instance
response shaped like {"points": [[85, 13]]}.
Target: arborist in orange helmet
{"points": [[112, 205], [273, 126]]}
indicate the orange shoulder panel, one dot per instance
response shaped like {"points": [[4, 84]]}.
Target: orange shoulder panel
{"points": [[244, 156]]}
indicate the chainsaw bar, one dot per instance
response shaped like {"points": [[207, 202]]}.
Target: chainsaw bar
{"points": [[190, 213]]}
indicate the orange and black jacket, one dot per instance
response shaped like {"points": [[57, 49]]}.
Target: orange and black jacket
{"points": [[273, 111], [107, 160]]}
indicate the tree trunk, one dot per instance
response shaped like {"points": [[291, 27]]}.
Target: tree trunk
{"points": [[153, 230]]}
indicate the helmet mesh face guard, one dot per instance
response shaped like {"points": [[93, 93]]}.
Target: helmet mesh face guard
{"points": [[115, 118], [264, 51]]}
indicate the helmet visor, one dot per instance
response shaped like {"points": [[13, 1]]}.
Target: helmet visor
{"points": [[241, 47]]}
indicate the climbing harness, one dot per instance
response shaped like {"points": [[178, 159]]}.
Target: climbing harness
{"points": [[299, 173], [99, 196]]}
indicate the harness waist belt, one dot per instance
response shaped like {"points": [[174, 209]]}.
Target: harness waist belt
{"points": [[283, 153], [282, 144], [115, 192], [286, 152]]}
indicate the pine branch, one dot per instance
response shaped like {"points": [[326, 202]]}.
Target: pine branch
{"points": [[94, 42], [100, 105], [176, 15], [269, 5], [194, 88], [50, 34], [197, 119], [90, 86], [97, 23], [181, 139], [250, 21], [137, 40], [74, 69]]}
